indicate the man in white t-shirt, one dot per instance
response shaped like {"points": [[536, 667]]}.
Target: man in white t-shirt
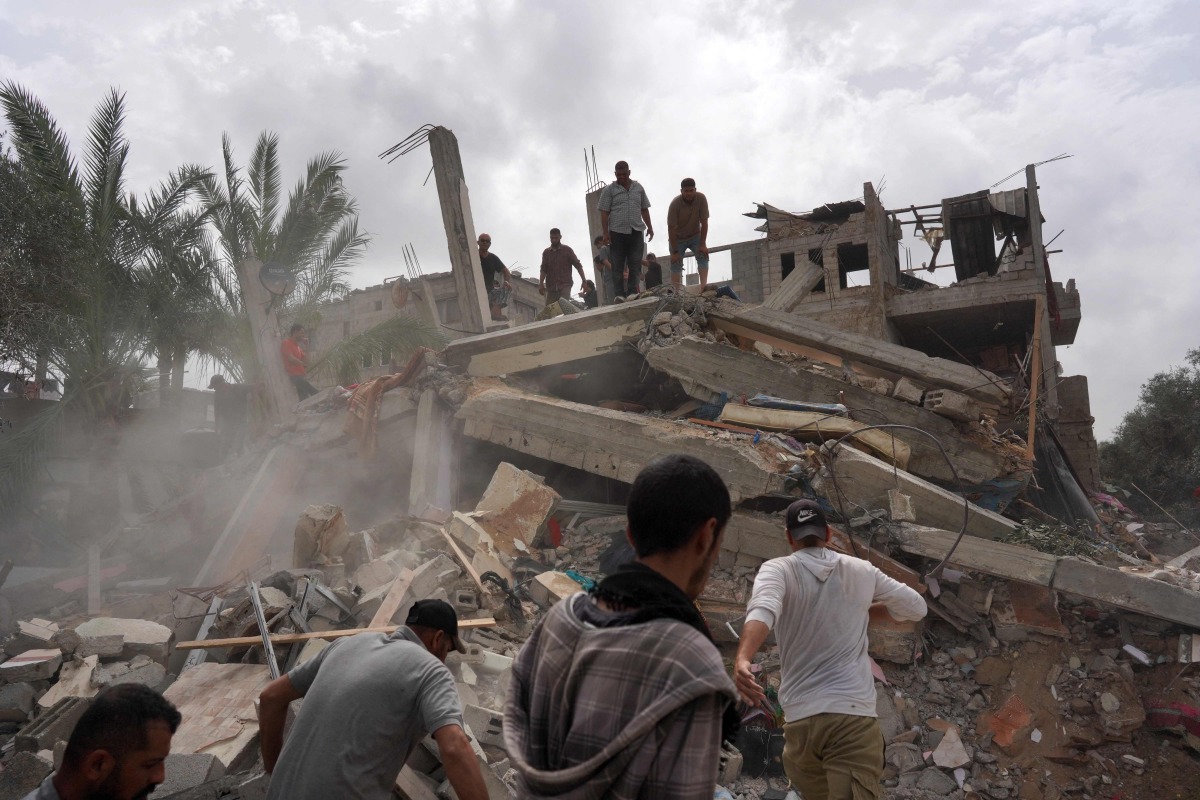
{"points": [[819, 602]]}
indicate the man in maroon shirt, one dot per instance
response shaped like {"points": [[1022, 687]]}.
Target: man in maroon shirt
{"points": [[555, 280]]}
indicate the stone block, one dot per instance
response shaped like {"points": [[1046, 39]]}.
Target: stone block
{"points": [[140, 670], [361, 548], [22, 774], [74, 680], [34, 634], [900, 507], [320, 536], [32, 665], [1026, 609], [549, 587], [188, 770], [379, 572], [890, 640], [16, 702], [486, 724], [951, 405], [729, 764], [515, 507], [909, 391], [141, 637], [52, 726]]}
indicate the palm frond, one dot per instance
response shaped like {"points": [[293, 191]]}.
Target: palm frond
{"points": [[43, 148], [104, 166], [265, 187], [399, 336]]}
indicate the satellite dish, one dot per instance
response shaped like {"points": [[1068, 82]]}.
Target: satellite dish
{"points": [[278, 279]]}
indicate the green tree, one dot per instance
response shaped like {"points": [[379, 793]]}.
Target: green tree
{"points": [[315, 235], [1157, 444]]}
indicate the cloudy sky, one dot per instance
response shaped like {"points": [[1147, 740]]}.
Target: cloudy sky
{"points": [[795, 104]]}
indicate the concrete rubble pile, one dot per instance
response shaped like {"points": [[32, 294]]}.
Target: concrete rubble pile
{"points": [[1054, 661]]}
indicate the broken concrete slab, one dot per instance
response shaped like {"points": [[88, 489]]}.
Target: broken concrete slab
{"points": [[706, 370], [992, 558], [140, 637], [34, 634], [320, 536], [555, 341], [486, 724], [810, 426], [795, 287], [515, 507], [140, 670], [22, 775], [865, 482], [187, 770], [217, 704], [32, 665], [871, 356], [74, 680], [16, 702], [613, 444], [548, 588]]}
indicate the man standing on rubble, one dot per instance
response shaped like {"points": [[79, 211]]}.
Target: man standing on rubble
{"points": [[622, 693], [624, 215], [117, 749], [368, 700], [687, 229], [818, 602], [494, 268], [555, 280]]}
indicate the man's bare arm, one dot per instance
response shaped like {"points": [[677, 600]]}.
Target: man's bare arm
{"points": [[649, 224], [754, 634], [704, 237], [272, 714], [462, 768], [604, 225]]}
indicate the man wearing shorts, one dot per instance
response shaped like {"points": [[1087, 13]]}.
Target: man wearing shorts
{"points": [[687, 229]]}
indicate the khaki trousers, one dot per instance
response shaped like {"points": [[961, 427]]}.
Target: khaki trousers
{"points": [[834, 757]]}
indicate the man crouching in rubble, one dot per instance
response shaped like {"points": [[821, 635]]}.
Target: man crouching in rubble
{"points": [[818, 603], [622, 694], [369, 699]]}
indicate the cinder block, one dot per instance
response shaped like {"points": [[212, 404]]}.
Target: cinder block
{"points": [[22, 774], [187, 770], [951, 404], [908, 391], [53, 726]]}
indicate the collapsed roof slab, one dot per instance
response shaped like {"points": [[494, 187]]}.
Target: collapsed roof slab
{"points": [[554, 341], [872, 356], [864, 482], [706, 369], [613, 444]]}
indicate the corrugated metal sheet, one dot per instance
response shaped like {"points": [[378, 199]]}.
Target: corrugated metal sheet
{"points": [[1010, 202]]}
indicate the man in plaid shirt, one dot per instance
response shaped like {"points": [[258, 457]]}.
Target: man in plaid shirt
{"points": [[622, 693]]}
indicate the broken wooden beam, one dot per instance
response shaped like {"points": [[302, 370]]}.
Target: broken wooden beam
{"points": [[706, 369], [865, 482], [872, 356], [561, 340], [290, 638], [613, 444]]}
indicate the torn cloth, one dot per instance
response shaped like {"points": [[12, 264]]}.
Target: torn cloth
{"points": [[362, 418]]}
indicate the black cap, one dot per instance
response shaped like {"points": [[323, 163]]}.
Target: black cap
{"points": [[439, 615], [805, 518]]}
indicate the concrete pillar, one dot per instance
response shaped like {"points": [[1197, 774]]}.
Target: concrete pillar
{"points": [[460, 230], [431, 485], [1049, 391], [592, 201]]}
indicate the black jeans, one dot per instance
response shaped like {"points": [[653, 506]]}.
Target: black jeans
{"points": [[304, 389], [626, 250]]}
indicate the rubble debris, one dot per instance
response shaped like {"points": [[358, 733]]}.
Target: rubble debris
{"points": [[139, 637]]}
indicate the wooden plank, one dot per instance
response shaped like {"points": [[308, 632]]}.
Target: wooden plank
{"points": [[814, 426], [462, 559], [289, 638], [991, 558], [391, 601], [1129, 591]]}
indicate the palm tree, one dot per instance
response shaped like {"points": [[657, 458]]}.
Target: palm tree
{"points": [[315, 235]]}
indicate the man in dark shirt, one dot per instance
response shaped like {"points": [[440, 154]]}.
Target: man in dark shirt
{"points": [[491, 264], [653, 271], [588, 293], [555, 280]]}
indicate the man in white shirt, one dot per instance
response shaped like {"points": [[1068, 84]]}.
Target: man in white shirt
{"points": [[819, 602]]}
